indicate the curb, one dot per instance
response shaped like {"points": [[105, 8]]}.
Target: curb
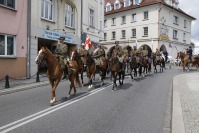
{"points": [[177, 116], [23, 87]]}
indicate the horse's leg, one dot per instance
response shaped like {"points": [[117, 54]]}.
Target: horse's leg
{"points": [[140, 71], [53, 98]]}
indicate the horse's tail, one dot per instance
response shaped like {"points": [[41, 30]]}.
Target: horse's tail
{"points": [[77, 80]]}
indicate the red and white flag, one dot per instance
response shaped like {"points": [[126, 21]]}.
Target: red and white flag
{"points": [[88, 44]]}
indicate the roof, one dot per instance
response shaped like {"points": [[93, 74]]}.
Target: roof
{"points": [[142, 4]]}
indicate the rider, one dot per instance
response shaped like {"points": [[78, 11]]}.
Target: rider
{"points": [[190, 53], [157, 53], [119, 52], [82, 51], [97, 54], [144, 53], [135, 53], [62, 54]]}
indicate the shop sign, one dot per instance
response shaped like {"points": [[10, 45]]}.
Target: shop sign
{"points": [[53, 35]]}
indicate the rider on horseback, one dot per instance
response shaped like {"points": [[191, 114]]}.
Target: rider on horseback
{"points": [[157, 53], [190, 53], [144, 53], [97, 54], [62, 55]]}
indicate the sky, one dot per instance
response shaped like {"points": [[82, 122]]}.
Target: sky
{"points": [[191, 7]]}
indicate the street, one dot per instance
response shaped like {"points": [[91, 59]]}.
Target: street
{"points": [[136, 107]]}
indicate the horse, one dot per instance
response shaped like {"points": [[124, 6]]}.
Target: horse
{"points": [[184, 59], [76, 56], [156, 62], [116, 68], [103, 69], [143, 63], [90, 69], [54, 72], [133, 66]]}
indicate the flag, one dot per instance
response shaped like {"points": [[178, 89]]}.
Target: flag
{"points": [[88, 44]]}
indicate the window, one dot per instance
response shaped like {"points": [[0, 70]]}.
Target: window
{"points": [[126, 3], [175, 34], [145, 31], [185, 23], [108, 7], [123, 34], [69, 19], [47, 9], [7, 45], [175, 21], [105, 25], [8, 3], [117, 5], [133, 32], [113, 21], [105, 36], [184, 37], [113, 35], [146, 15], [123, 19], [134, 17], [91, 18], [136, 2]]}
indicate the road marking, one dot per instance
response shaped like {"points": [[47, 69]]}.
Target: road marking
{"points": [[28, 119]]}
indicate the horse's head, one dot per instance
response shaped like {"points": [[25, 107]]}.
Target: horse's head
{"points": [[88, 59], [75, 55], [41, 58]]}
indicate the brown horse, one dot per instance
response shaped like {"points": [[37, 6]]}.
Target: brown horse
{"points": [[90, 69], [76, 56], [54, 72], [185, 60], [116, 69]]}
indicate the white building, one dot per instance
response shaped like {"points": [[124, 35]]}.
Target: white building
{"points": [[50, 19], [152, 23], [93, 19]]}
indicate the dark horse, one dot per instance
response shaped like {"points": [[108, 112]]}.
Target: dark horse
{"points": [[76, 56], [54, 72], [103, 69], [156, 62], [143, 63], [133, 66], [116, 69]]}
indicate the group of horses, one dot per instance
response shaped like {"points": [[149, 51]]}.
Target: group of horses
{"points": [[76, 65]]}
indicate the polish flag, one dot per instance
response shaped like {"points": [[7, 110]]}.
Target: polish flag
{"points": [[88, 44]]}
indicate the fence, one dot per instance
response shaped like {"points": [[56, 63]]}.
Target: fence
{"points": [[9, 81]]}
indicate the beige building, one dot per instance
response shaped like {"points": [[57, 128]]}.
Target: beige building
{"points": [[151, 23], [73, 19]]}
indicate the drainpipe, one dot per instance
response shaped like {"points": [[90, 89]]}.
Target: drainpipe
{"points": [[81, 21], [159, 23], [28, 40]]}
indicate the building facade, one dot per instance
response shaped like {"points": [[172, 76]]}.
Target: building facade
{"points": [[93, 20], [73, 19], [156, 24], [13, 38]]}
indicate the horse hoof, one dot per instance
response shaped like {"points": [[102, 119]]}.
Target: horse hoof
{"points": [[52, 100], [102, 84]]}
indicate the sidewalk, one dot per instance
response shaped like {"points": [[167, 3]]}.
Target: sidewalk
{"points": [[22, 84], [185, 109]]}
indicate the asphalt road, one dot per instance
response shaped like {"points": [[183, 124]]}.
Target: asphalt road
{"points": [[136, 107]]}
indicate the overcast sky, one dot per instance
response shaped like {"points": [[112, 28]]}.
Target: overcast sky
{"points": [[191, 7]]}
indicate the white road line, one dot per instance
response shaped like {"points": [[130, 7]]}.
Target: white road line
{"points": [[45, 112]]}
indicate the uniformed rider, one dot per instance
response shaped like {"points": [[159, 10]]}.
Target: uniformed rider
{"points": [[62, 55], [97, 54], [190, 53], [157, 53]]}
